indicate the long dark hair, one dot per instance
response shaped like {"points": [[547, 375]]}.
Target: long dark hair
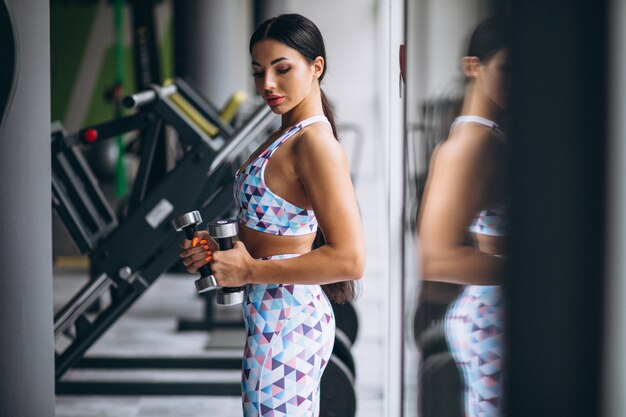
{"points": [[299, 33], [490, 36]]}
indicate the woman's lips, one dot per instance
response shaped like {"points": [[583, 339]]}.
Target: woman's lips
{"points": [[273, 100]]}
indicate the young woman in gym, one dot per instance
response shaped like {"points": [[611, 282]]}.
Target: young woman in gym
{"points": [[462, 220], [294, 187]]}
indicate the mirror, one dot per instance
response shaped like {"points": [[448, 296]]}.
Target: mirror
{"points": [[455, 210]]}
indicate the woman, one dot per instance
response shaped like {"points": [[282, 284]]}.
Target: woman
{"points": [[462, 220], [294, 186]]}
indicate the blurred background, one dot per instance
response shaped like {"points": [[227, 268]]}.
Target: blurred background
{"points": [[118, 104]]}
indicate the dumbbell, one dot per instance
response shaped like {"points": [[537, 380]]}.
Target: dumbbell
{"points": [[224, 232], [187, 223]]}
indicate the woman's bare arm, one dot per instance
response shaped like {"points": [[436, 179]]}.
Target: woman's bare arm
{"points": [[456, 190]]}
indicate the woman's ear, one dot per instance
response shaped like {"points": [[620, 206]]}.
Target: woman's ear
{"points": [[471, 66], [318, 67]]}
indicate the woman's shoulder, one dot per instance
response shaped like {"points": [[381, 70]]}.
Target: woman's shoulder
{"points": [[474, 139], [470, 149], [315, 138]]}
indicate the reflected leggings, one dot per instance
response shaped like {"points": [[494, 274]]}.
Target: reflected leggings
{"points": [[290, 335], [474, 330]]}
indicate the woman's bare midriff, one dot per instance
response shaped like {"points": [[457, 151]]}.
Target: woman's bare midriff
{"points": [[261, 245]]}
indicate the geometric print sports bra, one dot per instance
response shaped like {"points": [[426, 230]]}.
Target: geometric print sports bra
{"points": [[491, 222], [259, 207]]}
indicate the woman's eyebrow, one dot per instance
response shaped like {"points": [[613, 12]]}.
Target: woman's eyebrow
{"points": [[277, 60]]}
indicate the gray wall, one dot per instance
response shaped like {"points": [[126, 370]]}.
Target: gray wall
{"points": [[211, 40], [27, 347]]}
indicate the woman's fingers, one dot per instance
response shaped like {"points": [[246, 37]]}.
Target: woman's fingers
{"points": [[196, 261], [196, 252], [194, 257]]}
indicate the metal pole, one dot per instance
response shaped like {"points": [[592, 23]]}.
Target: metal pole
{"points": [[614, 401], [26, 323]]}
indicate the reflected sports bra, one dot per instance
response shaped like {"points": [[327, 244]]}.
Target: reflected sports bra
{"points": [[259, 207], [490, 222]]}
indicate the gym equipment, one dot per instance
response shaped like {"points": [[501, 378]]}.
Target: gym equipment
{"points": [[337, 390], [439, 375], [341, 349], [347, 319], [441, 378], [224, 232], [120, 266]]}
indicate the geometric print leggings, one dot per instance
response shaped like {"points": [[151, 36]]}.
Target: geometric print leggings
{"points": [[290, 334], [475, 334]]}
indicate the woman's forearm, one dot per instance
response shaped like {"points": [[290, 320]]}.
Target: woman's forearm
{"points": [[324, 265], [463, 265]]}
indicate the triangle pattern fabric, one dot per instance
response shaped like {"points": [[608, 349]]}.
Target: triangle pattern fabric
{"points": [[290, 334], [259, 207], [474, 327]]}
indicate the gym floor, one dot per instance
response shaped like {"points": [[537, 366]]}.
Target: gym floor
{"points": [[150, 328]]}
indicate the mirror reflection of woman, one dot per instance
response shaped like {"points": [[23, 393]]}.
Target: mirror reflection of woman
{"points": [[462, 220], [295, 186]]}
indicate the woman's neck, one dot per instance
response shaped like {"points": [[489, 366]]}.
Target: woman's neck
{"points": [[310, 106], [478, 104]]}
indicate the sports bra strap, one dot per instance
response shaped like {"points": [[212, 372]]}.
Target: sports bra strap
{"points": [[313, 119], [291, 131], [480, 120]]}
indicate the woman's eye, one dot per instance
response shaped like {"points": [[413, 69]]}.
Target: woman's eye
{"points": [[283, 70], [257, 74]]}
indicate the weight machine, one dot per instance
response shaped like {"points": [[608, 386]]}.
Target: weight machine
{"points": [[201, 179]]}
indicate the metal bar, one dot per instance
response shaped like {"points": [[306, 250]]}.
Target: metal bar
{"points": [[74, 189], [261, 119], [70, 218], [220, 361], [147, 69], [149, 388], [203, 106], [148, 148], [96, 197], [73, 353], [81, 302], [111, 128], [190, 133]]}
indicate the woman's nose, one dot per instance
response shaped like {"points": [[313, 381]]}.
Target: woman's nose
{"points": [[268, 82]]}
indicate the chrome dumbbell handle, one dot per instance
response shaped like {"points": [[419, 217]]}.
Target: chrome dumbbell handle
{"points": [[225, 232], [188, 223]]}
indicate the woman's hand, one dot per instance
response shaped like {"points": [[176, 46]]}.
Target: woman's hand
{"points": [[233, 267], [197, 252]]}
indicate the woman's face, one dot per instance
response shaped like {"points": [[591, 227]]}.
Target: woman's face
{"points": [[495, 78], [282, 75]]}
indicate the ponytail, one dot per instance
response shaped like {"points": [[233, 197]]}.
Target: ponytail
{"points": [[328, 112], [344, 291]]}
